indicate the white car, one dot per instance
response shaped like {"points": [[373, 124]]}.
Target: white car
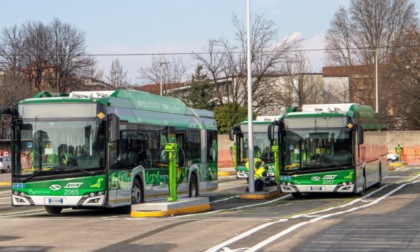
{"points": [[5, 164], [392, 157]]}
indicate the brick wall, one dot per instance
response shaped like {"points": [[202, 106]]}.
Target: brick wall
{"points": [[224, 146]]}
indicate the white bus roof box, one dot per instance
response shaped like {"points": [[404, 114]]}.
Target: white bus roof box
{"points": [[327, 108]]}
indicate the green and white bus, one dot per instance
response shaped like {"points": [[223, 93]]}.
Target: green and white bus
{"points": [[330, 148], [106, 149], [262, 146]]}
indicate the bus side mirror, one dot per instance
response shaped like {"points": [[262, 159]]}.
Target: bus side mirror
{"points": [[114, 122], [271, 132], [231, 132], [272, 129], [360, 134]]}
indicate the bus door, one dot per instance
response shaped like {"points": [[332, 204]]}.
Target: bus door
{"points": [[119, 183]]}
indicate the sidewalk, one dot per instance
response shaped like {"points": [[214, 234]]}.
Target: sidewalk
{"points": [[229, 171]]}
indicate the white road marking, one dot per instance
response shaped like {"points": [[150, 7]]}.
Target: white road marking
{"points": [[235, 208], [315, 219]]}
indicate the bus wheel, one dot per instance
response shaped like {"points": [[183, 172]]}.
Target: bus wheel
{"points": [[379, 184], [53, 210], [296, 194], [193, 192], [136, 192]]}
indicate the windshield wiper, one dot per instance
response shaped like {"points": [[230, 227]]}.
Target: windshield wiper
{"points": [[83, 170], [120, 164], [33, 175], [344, 167]]}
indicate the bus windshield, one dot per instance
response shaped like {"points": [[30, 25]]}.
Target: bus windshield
{"points": [[261, 146], [57, 145], [323, 148]]}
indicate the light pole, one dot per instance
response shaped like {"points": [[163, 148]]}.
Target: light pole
{"points": [[251, 185], [376, 80], [160, 74]]}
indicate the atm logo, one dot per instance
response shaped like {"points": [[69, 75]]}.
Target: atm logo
{"points": [[55, 187], [73, 185]]}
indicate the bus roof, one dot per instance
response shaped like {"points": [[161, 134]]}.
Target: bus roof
{"points": [[261, 120], [362, 114], [328, 108], [266, 118], [144, 107]]}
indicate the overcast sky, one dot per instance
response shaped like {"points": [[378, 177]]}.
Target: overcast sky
{"points": [[172, 26]]}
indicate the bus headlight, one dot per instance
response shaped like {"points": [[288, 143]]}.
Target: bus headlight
{"points": [[92, 198]]}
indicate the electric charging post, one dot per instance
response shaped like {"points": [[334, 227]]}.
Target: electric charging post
{"points": [[170, 148]]}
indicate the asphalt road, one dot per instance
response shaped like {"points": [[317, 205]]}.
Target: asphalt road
{"points": [[384, 219]]}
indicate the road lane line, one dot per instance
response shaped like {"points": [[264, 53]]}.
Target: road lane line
{"points": [[273, 238], [299, 225], [235, 208], [243, 235]]}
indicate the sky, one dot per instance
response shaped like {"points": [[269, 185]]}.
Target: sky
{"points": [[172, 26]]}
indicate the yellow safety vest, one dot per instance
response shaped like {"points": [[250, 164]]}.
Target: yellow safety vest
{"points": [[259, 173]]}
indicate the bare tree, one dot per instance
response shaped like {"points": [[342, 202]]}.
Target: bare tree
{"points": [[66, 55], [406, 71], [365, 33], [47, 56], [117, 76], [9, 95], [164, 70], [10, 46], [226, 62], [298, 85]]}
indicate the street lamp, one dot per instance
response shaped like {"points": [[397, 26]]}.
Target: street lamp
{"points": [[376, 79], [160, 74]]}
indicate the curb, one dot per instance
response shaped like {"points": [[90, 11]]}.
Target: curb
{"points": [[396, 164], [271, 192], [166, 208], [5, 183], [179, 211], [260, 196], [226, 173]]}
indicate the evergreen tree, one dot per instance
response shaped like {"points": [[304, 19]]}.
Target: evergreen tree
{"points": [[201, 91], [228, 115]]}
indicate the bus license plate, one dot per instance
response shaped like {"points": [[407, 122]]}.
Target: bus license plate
{"points": [[54, 201], [316, 188]]}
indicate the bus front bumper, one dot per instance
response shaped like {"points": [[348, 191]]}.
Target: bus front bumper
{"points": [[340, 188], [92, 199]]}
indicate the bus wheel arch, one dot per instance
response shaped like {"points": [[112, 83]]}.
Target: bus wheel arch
{"points": [[137, 191], [362, 191], [193, 185]]}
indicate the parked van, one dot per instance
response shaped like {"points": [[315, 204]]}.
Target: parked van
{"points": [[5, 164]]}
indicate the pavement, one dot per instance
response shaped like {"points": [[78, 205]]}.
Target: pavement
{"points": [[229, 171]]}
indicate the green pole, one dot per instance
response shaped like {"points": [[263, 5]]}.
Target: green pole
{"points": [[170, 148], [235, 161], [275, 149]]}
